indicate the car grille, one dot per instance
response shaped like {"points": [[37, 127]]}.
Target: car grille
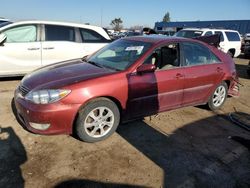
{"points": [[23, 90]]}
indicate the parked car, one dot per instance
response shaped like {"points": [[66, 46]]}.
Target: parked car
{"points": [[132, 33], [246, 50], [248, 68], [4, 22], [246, 38], [32, 44], [167, 33], [230, 41], [148, 31], [127, 79]]}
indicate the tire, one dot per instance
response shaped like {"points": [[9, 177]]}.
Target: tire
{"points": [[218, 98], [97, 120]]}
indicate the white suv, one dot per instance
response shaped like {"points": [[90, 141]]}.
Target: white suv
{"points": [[32, 44], [229, 39]]}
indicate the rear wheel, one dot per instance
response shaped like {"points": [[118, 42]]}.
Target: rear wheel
{"points": [[218, 98], [97, 120]]}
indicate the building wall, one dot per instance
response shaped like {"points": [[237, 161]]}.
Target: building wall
{"points": [[243, 26]]}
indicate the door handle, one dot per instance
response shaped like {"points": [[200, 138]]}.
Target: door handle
{"points": [[219, 69], [49, 48], [33, 48], [179, 75]]}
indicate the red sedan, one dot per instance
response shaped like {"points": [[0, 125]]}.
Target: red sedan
{"points": [[130, 78]]}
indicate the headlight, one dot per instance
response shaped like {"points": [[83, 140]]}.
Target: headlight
{"points": [[46, 96]]}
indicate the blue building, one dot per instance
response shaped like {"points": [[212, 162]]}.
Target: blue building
{"points": [[242, 26]]}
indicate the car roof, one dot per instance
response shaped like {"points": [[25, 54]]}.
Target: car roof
{"points": [[158, 39], [196, 29], [85, 26], [207, 29]]}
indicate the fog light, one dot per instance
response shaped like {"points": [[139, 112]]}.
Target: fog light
{"points": [[40, 126]]}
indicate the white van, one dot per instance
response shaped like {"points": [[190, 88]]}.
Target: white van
{"points": [[229, 39], [27, 45]]}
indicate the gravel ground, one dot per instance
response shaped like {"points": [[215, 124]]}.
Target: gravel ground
{"points": [[188, 147]]}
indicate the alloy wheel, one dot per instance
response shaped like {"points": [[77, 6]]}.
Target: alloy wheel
{"points": [[99, 122], [219, 96]]}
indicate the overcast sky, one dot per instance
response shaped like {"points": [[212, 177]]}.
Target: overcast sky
{"points": [[132, 12]]}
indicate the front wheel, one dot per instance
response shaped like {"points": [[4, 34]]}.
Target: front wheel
{"points": [[218, 98], [97, 120]]}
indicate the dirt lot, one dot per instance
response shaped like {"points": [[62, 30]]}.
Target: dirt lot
{"points": [[188, 147]]}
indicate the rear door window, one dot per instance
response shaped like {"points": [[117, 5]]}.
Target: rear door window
{"points": [[59, 33], [232, 36], [197, 54]]}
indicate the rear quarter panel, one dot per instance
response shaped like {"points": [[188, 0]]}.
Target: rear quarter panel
{"points": [[230, 74], [227, 61]]}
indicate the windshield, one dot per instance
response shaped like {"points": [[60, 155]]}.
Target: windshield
{"points": [[120, 54], [189, 33]]}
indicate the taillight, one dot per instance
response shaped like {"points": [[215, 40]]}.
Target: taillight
{"points": [[234, 74]]}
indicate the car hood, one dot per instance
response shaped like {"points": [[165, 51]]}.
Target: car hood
{"points": [[62, 74]]}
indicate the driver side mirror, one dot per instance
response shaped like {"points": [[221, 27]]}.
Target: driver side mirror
{"points": [[146, 68], [3, 38]]}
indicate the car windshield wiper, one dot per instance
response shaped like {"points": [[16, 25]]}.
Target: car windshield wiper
{"points": [[94, 63], [102, 66], [84, 58]]}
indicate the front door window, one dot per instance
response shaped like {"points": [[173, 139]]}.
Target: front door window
{"points": [[27, 33]]}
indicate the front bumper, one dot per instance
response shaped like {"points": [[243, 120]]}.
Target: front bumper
{"points": [[60, 116]]}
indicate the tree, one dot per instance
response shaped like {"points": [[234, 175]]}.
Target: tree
{"points": [[166, 18], [116, 24]]}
